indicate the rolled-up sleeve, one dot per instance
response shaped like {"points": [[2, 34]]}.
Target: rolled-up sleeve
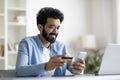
{"points": [[23, 68]]}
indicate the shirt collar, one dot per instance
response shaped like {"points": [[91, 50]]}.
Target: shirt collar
{"points": [[40, 45], [39, 42]]}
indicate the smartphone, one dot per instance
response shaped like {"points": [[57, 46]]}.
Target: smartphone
{"points": [[81, 55]]}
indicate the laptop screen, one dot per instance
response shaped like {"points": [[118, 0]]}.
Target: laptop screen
{"points": [[111, 60]]}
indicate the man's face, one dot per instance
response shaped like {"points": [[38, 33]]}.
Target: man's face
{"points": [[51, 29]]}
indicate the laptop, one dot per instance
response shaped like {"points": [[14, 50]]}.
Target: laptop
{"points": [[111, 60]]}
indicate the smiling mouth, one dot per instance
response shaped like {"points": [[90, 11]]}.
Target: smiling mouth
{"points": [[53, 36]]}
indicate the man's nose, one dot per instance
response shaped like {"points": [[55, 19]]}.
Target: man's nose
{"points": [[55, 30]]}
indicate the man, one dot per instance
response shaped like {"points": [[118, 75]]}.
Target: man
{"points": [[42, 55]]}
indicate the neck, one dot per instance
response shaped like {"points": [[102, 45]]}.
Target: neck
{"points": [[45, 43]]}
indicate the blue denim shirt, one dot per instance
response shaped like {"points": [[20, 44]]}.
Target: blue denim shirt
{"points": [[29, 62]]}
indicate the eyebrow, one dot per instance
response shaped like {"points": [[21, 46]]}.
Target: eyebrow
{"points": [[54, 25]]}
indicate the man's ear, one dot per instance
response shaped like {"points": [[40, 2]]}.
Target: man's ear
{"points": [[40, 27]]}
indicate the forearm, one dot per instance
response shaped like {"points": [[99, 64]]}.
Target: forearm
{"points": [[33, 70]]}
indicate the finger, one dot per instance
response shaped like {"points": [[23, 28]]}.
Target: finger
{"points": [[78, 69], [59, 64], [78, 65], [82, 61], [59, 61]]}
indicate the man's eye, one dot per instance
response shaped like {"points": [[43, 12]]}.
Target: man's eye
{"points": [[58, 27], [51, 27]]}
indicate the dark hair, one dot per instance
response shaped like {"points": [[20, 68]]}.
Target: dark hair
{"points": [[48, 12]]}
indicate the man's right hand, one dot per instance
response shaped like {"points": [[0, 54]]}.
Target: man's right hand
{"points": [[54, 62]]}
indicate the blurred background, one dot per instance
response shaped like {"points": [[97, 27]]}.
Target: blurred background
{"points": [[89, 25]]}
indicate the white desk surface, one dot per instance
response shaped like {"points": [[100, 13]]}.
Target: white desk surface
{"points": [[84, 77], [10, 75]]}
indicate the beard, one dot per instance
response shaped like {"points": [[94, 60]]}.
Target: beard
{"points": [[51, 37]]}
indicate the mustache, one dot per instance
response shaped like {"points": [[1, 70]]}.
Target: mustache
{"points": [[53, 34]]}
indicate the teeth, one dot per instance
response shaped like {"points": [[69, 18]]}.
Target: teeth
{"points": [[53, 36]]}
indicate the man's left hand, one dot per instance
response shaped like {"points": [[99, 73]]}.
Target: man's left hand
{"points": [[78, 66]]}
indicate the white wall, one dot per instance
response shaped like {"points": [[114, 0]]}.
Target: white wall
{"points": [[74, 12], [102, 21], [81, 17], [118, 21]]}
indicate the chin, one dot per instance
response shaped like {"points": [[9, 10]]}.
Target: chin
{"points": [[52, 41]]}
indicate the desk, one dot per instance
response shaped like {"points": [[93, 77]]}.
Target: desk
{"points": [[10, 75], [108, 77]]}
